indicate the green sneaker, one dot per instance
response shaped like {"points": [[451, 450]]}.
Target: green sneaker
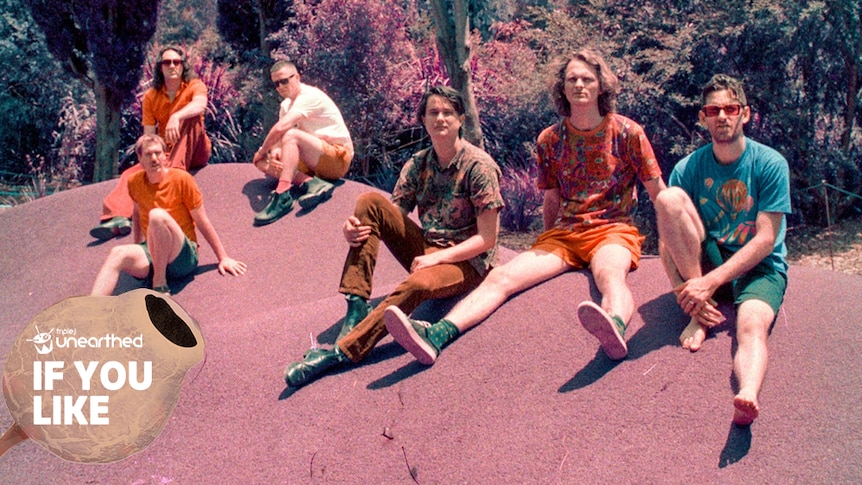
{"points": [[318, 191], [279, 206], [411, 334], [609, 330], [114, 227]]}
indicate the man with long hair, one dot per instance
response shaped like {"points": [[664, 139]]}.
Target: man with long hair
{"points": [[174, 109], [589, 162]]}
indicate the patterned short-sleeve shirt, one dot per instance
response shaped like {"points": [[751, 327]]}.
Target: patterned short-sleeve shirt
{"points": [[595, 170], [449, 200]]}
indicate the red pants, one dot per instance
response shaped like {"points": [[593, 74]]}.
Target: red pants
{"points": [[191, 151], [405, 241]]}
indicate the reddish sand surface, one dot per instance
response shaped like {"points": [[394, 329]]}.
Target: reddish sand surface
{"points": [[527, 397]]}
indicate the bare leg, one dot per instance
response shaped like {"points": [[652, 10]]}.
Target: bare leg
{"points": [[749, 364], [681, 232], [525, 271], [165, 241], [610, 266], [129, 258], [297, 145]]}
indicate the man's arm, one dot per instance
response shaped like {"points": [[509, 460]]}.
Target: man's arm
{"points": [[225, 262], [767, 225], [550, 207], [137, 234], [196, 107], [487, 228], [653, 187], [275, 134]]}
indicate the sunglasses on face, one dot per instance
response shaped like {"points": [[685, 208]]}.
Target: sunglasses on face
{"points": [[729, 110], [172, 62], [281, 82]]}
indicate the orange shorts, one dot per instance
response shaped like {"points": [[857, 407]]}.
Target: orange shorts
{"points": [[332, 164], [577, 248]]}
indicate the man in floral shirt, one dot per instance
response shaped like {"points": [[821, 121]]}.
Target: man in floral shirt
{"points": [[588, 163], [455, 188]]}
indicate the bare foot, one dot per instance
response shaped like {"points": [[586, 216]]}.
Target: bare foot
{"points": [[693, 335], [745, 410]]}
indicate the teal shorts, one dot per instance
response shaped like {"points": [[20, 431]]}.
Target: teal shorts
{"points": [[183, 265], [763, 282]]}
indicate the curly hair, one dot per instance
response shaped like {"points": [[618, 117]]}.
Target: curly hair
{"points": [[609, 84], [720, 82], [159, 76]]}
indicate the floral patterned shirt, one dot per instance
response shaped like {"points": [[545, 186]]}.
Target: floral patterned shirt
{"points": [[595, 170], [449, 200]]}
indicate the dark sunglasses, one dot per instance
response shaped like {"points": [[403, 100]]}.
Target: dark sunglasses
{"points": [[172, 62], [281, 82], [729, 110]]}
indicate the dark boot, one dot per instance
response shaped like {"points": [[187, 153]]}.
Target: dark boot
{"points": [[357, 310], [314, 363], [279, 205], [317, 191]]}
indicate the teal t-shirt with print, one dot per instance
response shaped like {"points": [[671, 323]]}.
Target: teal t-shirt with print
{"points": [[728, 197]]}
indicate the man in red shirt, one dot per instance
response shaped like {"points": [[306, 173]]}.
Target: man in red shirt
{"points": [[589, 164], [174, 109]]}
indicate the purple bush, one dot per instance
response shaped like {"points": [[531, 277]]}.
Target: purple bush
{"points": [[523, 199]]}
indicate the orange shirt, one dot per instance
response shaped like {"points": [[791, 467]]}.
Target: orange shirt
{"points": [[177, 193], [157, 107]]}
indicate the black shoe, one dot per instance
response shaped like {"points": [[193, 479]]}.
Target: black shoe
{"points": [[313, 363], [114, 227], [279, 205], [317, 191], [357, 310]]}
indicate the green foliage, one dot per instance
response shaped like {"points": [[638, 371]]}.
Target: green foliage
{"points": [[103, 43], [372, 74], [29, 98], [800, 61], [246, 24], [184, 21]]}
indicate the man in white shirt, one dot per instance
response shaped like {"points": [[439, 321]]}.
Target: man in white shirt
{"points": [[308, 144]]}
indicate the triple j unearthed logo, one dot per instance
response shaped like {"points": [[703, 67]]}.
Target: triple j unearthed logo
{"points": [[67, 338], [80, 382], [42, 341], [111, 376]]}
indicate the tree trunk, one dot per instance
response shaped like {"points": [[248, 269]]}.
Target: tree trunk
{"points": [[107, 133], [852, 91], [453, 42], [261, 26]]}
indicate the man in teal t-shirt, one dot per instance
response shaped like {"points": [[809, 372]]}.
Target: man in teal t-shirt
{"points": [[721, 229]]}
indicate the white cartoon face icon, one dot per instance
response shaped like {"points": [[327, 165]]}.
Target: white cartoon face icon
{"points": [[42, 341]]}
